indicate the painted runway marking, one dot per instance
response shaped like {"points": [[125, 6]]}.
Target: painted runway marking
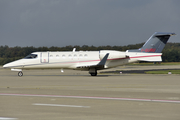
{"points": [[58, 105], [5, 118], [90, 97]]}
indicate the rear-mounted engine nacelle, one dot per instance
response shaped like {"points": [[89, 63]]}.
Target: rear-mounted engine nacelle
{"points": [[112, 54]]}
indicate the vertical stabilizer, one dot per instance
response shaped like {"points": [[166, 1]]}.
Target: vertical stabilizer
{"points": [[155, 44]]}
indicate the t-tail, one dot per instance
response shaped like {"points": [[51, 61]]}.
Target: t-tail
{"points": [[155, 44]]}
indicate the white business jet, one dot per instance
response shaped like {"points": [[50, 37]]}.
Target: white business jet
{"points": [[92, 60]]}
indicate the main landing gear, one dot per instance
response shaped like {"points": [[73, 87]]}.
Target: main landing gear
{"points": [[20, 73], [93, 72]]}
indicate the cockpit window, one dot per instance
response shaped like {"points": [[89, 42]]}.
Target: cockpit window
{"points": [[31, 56]]}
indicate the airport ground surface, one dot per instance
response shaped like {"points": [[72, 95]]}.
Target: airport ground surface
{"points": [[75, 95]]}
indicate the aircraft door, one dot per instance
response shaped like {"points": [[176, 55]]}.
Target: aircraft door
{"points": [[45, 57]]}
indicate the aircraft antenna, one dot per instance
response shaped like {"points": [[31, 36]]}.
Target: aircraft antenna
{"points": [[74, 49]]}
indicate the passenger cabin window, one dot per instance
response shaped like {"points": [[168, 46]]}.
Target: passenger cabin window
{"points": [[80, 56], [70, 56], [31, 56], [75, 56], [51, 56], [57, 56], [63, 56], [85, 55]]}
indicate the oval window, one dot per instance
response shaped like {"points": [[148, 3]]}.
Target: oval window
{"points": [[57, 56], [75, 56], [51, 56], [80, 56], [63, 56], [85, 55], [70, 56]]}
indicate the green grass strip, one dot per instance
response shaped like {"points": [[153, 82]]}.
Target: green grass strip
{"points": [[164, 72]]}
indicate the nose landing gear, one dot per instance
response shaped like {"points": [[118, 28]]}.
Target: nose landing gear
{"points": [[20, 73]]}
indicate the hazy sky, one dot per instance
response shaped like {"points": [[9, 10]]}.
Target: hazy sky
{"points": [[86, 22]]}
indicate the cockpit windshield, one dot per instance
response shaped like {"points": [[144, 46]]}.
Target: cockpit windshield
{"points": [[31, 56]]}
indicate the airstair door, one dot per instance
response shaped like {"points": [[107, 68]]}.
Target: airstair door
{"points": [[45, 57]]}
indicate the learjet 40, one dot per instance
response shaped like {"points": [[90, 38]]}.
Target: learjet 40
{"points": [[92, 60]]}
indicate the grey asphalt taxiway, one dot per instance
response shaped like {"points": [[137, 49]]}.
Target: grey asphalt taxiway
{"points": [[75, 95]]}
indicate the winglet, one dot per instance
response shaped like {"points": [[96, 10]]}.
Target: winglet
{"points": [[103, 61]]}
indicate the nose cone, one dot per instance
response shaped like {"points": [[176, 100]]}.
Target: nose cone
{"points": [[15, 64], [6, 66], [9, 65]]}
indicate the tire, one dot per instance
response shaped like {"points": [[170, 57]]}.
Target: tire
{"points": [[20, 74], [93, 74]]}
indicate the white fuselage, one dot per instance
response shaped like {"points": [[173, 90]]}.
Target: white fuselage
{"points": [[80, 59]]}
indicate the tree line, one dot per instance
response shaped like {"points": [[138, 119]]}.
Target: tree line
{"points": [[171, 52]]}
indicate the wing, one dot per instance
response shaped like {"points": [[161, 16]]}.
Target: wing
{"points": [[99, 66]]}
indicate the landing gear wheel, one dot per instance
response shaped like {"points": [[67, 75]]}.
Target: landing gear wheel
{"points": [[93, 71], [93, 74], [20, 74]]}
